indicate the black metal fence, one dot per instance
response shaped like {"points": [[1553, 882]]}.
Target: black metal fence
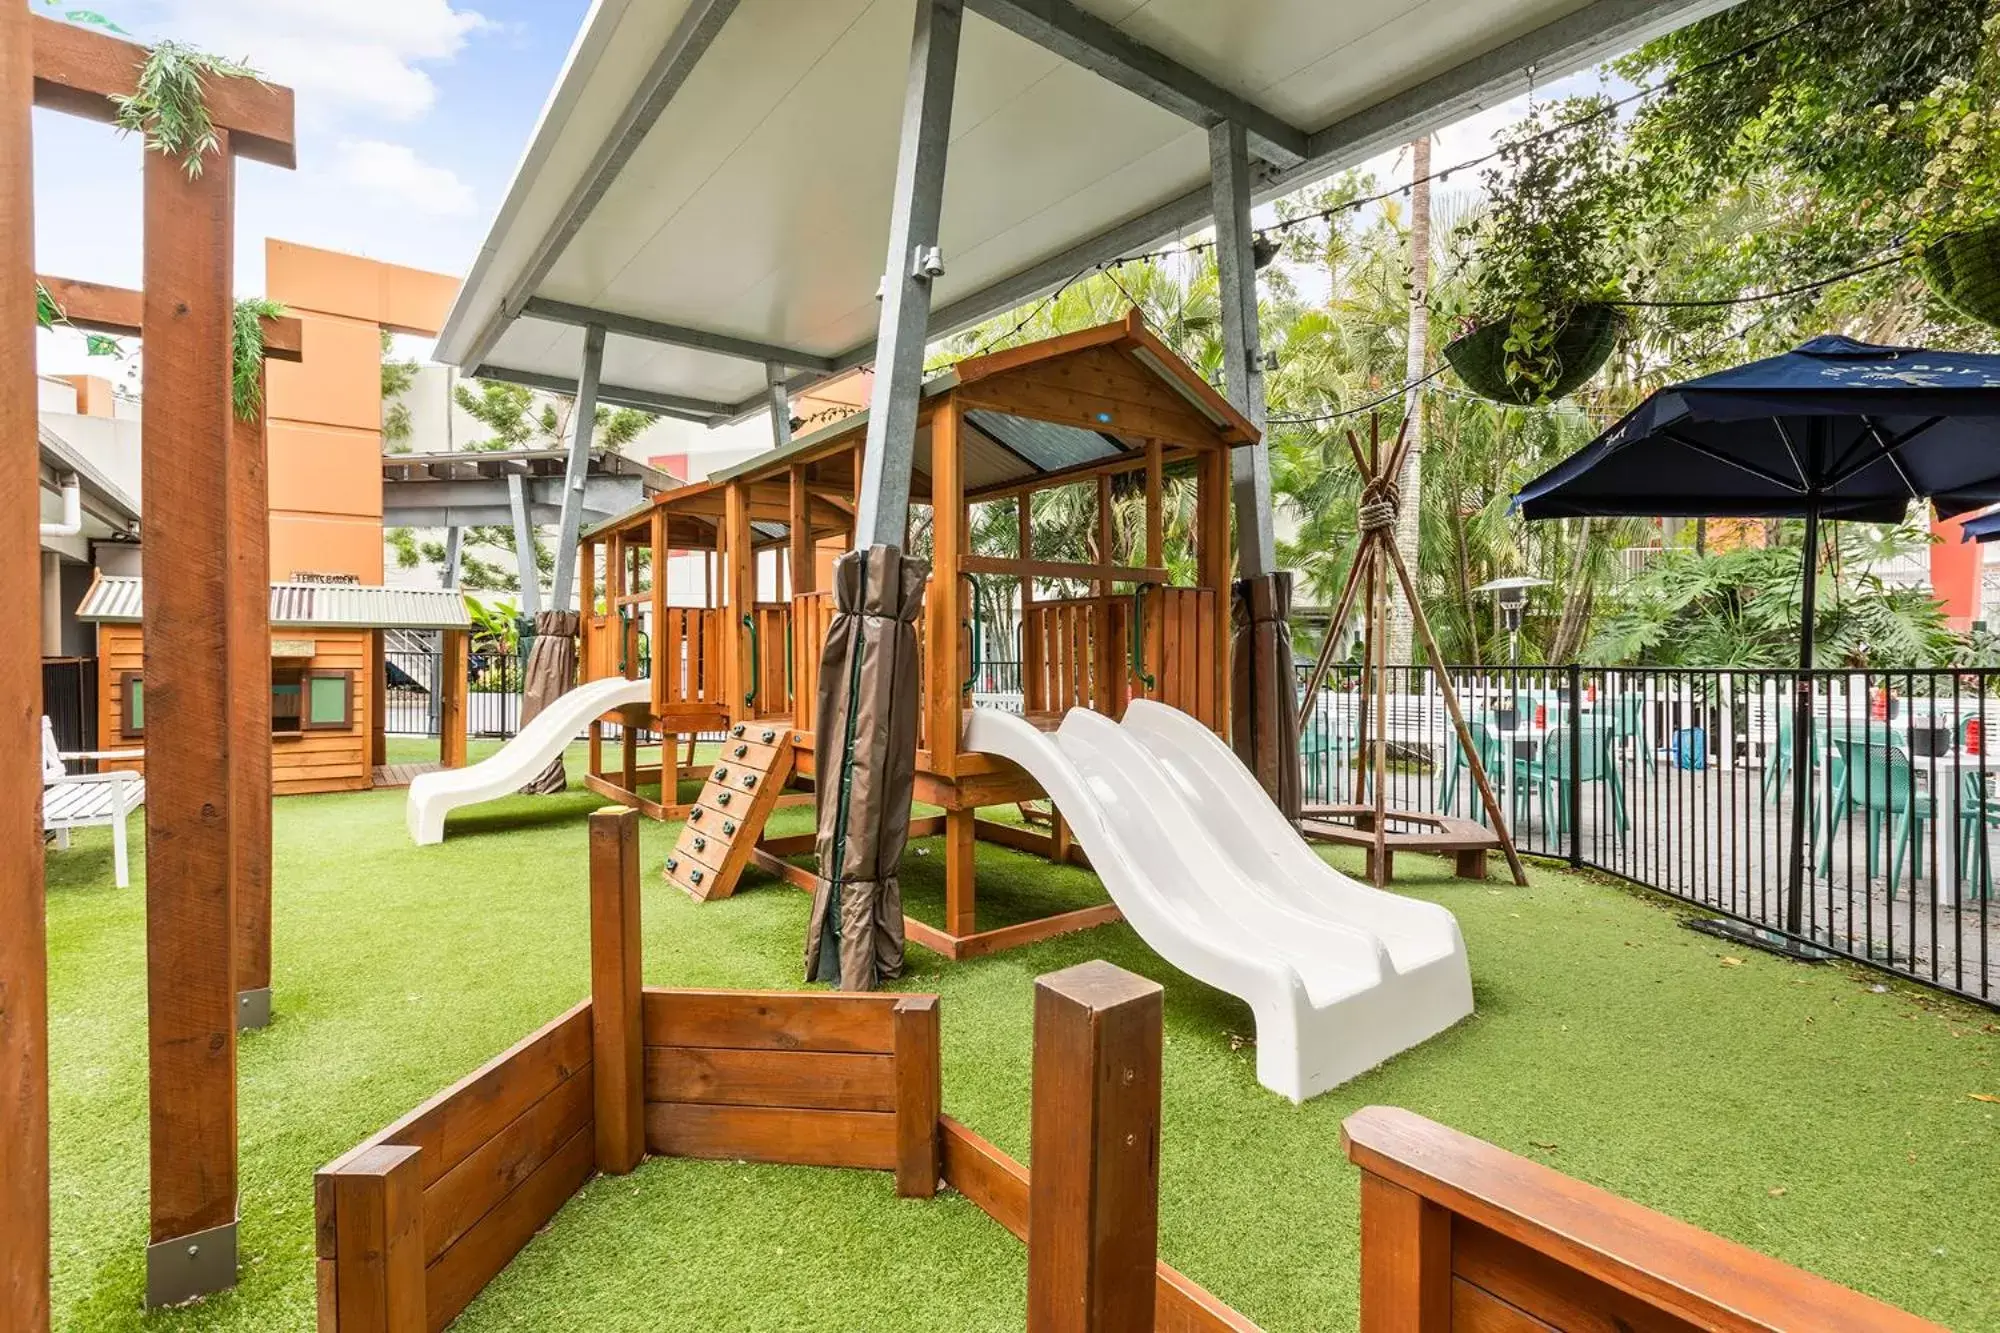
{"points": [[1683, 781], [493, 698]]}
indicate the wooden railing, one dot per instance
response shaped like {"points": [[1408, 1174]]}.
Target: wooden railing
{"points": [[768, 669], [812, 613], [686, 658], [1459, 1234], [1077, 653]]}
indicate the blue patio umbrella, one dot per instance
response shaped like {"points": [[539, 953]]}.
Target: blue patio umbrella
{"points": [[1832, 429], [1980, 528]]}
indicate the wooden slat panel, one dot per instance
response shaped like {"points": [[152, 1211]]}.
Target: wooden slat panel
{"points": [[982, 1173], [1477, 1311], [865, 1139], [456, 1201], [810, 1080], [1548, 1291], [457, 1276], [773, 1020], [451, 1125]]}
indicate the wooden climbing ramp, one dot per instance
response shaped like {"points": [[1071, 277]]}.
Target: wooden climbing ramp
{"points": [[737, 796]]}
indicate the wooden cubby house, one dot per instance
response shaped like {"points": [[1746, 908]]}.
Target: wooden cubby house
{"points": [[1111, 410]]}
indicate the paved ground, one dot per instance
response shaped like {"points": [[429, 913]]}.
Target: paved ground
{"points": [[1715, 838]]}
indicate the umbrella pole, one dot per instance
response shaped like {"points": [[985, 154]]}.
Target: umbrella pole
{"points": [[1795, 892]]}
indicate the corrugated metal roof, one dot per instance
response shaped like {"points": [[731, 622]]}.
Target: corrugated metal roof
{"points": [[1046, 445], [117, 600]]}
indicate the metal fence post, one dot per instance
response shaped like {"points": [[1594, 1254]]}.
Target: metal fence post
{"points": [[1575, 685]]}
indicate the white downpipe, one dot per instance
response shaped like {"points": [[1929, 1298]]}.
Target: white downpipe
{"points": [[72, 519]]}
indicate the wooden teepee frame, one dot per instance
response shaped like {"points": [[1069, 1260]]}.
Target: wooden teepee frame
{"points": [[1368, 577]]}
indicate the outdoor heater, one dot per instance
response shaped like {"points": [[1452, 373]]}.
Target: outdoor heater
{"points": [[1512, 595]]}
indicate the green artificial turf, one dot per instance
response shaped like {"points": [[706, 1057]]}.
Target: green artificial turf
{"points": [[1795, 1109]]}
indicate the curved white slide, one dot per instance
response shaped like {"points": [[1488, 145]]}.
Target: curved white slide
{"points": [[1338, 975], [514, 765]]}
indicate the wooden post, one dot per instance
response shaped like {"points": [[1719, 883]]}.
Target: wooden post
{"points": [[615, 1027], [804, 561], [24, 970], [378, 697], [919, 1096], [946, 609], [1104, 689], [190, 809], [249, 628], [1034, 698], [960, 877], [1405, 1260], [1093, 1207], [451, 716], [1156, 510], [739, 578], [378, 1199]]}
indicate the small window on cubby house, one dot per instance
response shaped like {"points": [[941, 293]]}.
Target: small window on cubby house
{"points": [[131, 706]]}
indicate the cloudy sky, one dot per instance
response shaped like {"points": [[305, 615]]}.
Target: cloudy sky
{"points": [[411, 117]]}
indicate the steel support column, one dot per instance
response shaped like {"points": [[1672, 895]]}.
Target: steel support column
{"points": [[578, 471], [524, 547], [454, 555], [906, 282], [781, 403], [1242, 359]]}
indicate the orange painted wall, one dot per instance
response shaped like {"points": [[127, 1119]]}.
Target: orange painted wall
{"points": [[325, 413], [93, 394], [1955, 573]]}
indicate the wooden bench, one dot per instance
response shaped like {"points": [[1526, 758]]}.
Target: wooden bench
{"points": [[1457, 1234]]}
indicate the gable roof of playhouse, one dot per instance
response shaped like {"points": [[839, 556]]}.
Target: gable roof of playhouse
{"points": [[115, 599], [711, 181]]}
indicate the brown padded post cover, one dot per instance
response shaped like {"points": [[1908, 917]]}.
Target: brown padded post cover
{"points": [[550, 674], [1264, 712], [865, 747]]}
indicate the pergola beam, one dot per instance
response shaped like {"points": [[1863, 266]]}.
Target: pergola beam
{"points": [[120, 312], [674, 335], [78, 71], [1100, 47], [615, 395]]}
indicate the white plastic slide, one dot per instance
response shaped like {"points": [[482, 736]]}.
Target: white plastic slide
{"points": [[1338, 975], [514, 765]]}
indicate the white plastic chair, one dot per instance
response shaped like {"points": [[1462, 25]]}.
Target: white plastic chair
{"points": [[88, 800]]}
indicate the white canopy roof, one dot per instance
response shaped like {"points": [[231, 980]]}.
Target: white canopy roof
{"points": [[711, 180]]}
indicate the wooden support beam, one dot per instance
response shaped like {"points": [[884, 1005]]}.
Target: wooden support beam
{"points": [[919, 1096], [945, 611], [1093, 1210], [739, 577], [190, 806], [248, 599], [960, 877], [378, 1198], [378, 698], [451, 712], [616, 1023], [804, 558], [24, 970], [120, 312], [78, 71], [1081, 570]]}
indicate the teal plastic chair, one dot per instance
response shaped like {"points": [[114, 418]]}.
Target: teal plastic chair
{"points": [[1550, 774], [1492, 750], [1978, 811], [1873, 776]]}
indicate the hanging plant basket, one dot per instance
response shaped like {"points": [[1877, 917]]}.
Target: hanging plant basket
{"points": [[1964, 270], [1581, 347]]}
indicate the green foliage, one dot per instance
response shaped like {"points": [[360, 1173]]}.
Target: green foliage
{"points": [[403, 542], [495, 627], [397, 377], [1742, 608], [246, 339], [169, 107], [1553, 238], [47, 313]]}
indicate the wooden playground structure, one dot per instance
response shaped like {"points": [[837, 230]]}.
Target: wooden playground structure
{"points": [[412, 1224], [1110, 409]]}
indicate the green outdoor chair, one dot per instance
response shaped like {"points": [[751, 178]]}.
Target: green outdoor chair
{"points": [[1978, 812], [1492, 756], [1550, 774], [1871, 775]]}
